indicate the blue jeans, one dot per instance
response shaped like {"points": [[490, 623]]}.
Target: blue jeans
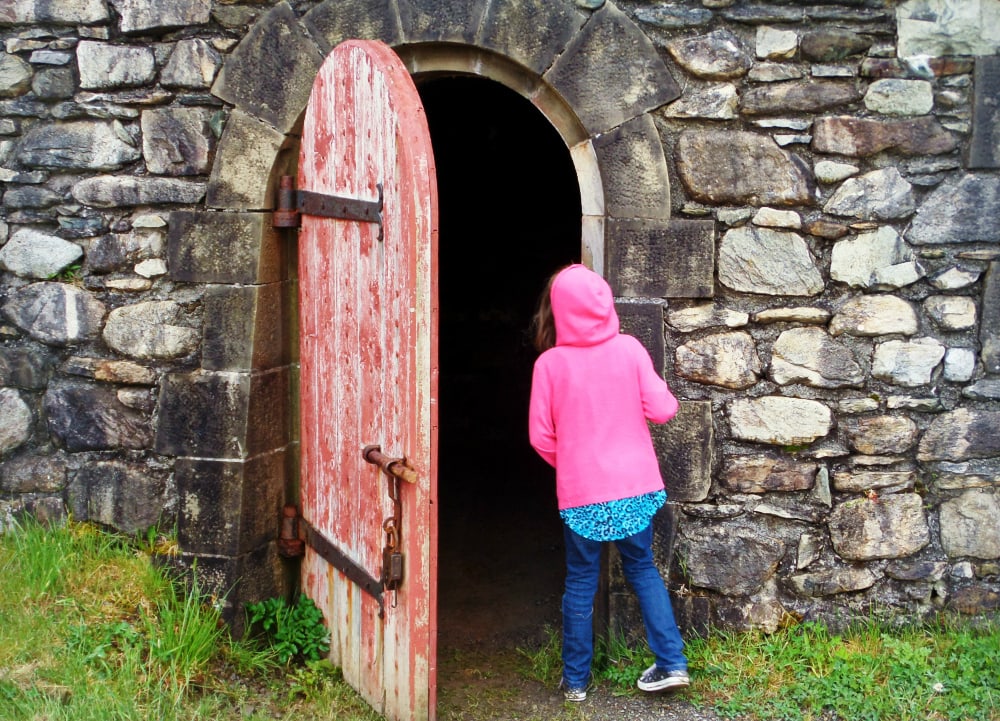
{"points": [[583, 568]]}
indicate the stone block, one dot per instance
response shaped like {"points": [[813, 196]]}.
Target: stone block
{"points": [[236, 581], [730, 558], [531, 32], [33, 474], [893, 526], [441, 20], [247, 327], [129, 497], [227, 508], [634, 171], [611, 72], [245, 173], [989, 328], [984, 145], [177, 141], [224, 248], [26, 367], [225, 415], [332, 21], [685, 447], [139, 15], [279, 43], [65, 12], [86, 417], [667, 259], [645, 322]]}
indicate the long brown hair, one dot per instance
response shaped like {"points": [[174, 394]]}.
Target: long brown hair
{"points": [[543, 323]]}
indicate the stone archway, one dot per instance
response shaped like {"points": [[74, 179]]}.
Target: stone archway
{"points": [[230, 424]]}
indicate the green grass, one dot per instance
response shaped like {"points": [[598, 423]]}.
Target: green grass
{"points": [[870, 672], [91, 628]]}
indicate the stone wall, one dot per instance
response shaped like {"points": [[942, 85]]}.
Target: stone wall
{"points": [[837, 447]]}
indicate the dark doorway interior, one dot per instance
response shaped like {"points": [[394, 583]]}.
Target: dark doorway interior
{"points": [[510, 215]]}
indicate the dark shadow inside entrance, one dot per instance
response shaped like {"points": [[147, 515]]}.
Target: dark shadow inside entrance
{"points": [[509, 215]]}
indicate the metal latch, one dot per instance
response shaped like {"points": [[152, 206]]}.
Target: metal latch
{"points": [[292, 204]]}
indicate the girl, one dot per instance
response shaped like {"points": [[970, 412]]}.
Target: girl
{"points": [[592, 391]]}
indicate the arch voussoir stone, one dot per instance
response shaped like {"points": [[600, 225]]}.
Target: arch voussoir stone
{"points": [[611, 51], [270, 73], [333, 21], [244, 160], [427, 21], [634, 170], [530, 32]]}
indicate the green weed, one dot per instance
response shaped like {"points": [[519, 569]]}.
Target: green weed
{"points": [[295, 631]]}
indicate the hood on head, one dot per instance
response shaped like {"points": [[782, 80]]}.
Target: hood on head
{"points": [[583, 307]]}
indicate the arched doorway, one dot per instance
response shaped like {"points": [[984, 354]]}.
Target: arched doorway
{"points": [[510, 214]]}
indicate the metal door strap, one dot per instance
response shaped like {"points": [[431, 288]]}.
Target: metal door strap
{"points": [[292, 204], [336, 558]]}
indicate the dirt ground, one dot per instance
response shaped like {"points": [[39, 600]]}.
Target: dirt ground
{"points": [[498, 596]]}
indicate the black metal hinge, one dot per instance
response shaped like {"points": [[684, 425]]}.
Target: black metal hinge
{"points": [[292, 204]]}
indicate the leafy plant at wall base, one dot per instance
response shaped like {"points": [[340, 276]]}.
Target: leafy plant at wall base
{"points": [[295, 631]]}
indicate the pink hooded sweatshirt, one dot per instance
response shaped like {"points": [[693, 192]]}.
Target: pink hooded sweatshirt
{"points": [[591, 395]]}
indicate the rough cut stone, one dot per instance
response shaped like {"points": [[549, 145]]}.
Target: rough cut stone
{"points": [[892, 96], [193, 64], [15, 76], [773, 73], [961, 435], [120, 251], [951, 312], [984, 389], [773, 218], [779, 420], [952, 213], [829, 45], [856, 261], [768, 262], [804, 97], [810, 356], [33, 254], [882, 435], [871, 315], [706, 315], [731, 559], [727, 167], [33, 474], [109, 191], [126, 496], [833, 581], [15, 421], [55, 313], [776, 44], [959, 364], [91, 418], [970, 525], [762, 474], [893, 526], [907, 363], [724, 359], [665, 16], [105, 66], [955, 278], [792, 315], [154, 329], [137, 15], [112, 371], [863, 481], [76, 145], [861, 137], [64, 12], [878, 195], [828, 171], [25, 367], [716, 56], [177, 141], [717, 101]]}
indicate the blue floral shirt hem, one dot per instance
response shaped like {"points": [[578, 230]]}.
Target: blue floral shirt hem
{"points": [[614, 520]]}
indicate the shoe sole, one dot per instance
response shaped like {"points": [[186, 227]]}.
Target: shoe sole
{"points": [[665, 684]]}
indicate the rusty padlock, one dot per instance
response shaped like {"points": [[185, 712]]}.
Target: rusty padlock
{"points": [[392, 558]]}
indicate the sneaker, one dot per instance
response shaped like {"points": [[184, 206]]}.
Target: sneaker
{"points": [[655, 679], [576, 695]]}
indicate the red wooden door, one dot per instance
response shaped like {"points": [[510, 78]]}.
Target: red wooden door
{"points": [[368, 329]]}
